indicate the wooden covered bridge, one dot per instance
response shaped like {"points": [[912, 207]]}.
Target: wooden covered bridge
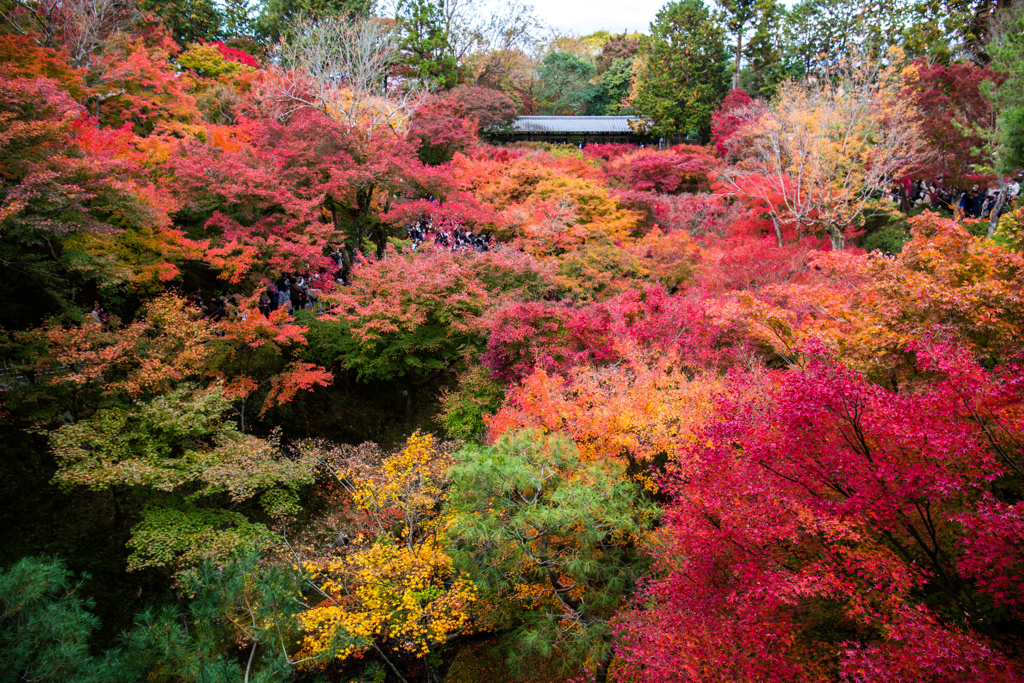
{"points": [[581, 130]]}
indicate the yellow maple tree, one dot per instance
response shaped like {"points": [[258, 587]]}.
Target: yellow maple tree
{"points": [[392, 588]]}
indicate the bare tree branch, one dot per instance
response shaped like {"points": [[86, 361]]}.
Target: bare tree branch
{"points": [[343, 68]]}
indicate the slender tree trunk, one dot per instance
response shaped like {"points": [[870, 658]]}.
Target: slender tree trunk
{"points": [[778, 230], [249, 665], [736, 63], [993, 217]]}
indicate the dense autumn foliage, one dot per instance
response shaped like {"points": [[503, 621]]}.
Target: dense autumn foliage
{"points": [[306, 378]]}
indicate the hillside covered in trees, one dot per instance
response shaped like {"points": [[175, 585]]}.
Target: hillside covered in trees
{"points": [[305, 379]]}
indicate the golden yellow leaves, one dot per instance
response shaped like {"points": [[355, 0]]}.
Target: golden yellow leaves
{"points": [[409, 597], [393, 584]]}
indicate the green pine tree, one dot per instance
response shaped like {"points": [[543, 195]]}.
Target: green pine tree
{"points": [[277, 17], [239, 19], [1007, 52], [551, 540], [426, 42], [46, 625], [189, 21], [686, 73]]}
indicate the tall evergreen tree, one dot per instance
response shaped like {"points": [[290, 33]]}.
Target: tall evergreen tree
{"points": [[686, 71], [766, 51], [426, 41], [189, 21], [277, 16], [1007, 51], [739, 14], [239, 19], [822, 33]]}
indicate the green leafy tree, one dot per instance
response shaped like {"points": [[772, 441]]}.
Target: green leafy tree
{"points": [[206, 61], [685, 74], [185, 467], [189, 21], [427, 43], [564, 85], [613, 88], [463, 409], [277, 17], [552, 541]]}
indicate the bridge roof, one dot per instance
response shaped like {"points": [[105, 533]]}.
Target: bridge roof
{"points": [[573, 124]]}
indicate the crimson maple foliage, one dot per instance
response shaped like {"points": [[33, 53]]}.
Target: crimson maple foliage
{"points": [[233, 54], [608, 151], [440, 128], [557, 338], [413, 315], [279, 197], [685, 168], [22, 57], [736, 110], [955, 116], [486, 106], [819, 503]]}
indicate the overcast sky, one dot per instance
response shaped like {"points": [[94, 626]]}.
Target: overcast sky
{"points": [[578, 17], [586, 16]]}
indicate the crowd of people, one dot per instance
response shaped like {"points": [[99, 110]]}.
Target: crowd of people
{"points": [[297, 292], [973, 203], [294, 292], [448, 234], [217, 308]]}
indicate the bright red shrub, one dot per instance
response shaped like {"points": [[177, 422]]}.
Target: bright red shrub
{"points": [[608, 152], [233, 54], [817, 503], [683, 169], [736, 110], [440, 128]]}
